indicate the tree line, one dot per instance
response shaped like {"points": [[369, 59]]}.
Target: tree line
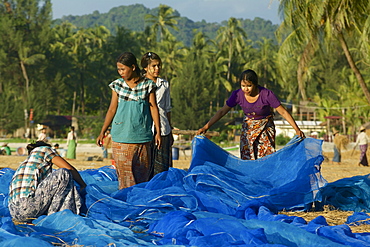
{"points": [[321, 57]]}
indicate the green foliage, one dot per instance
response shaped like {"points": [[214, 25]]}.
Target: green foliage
{"points": [[26, 26], [190, 93], [258, 28], [281, 140], [223, 137], [127, 16], [64, 67], [89, 126]]}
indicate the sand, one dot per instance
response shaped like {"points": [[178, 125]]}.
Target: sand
{"points": [[87, 160]]}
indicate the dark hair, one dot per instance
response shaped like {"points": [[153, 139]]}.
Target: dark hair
{"points": [[73, 128], [129, 59], [147, 58], [32, 146], [249, 75]]}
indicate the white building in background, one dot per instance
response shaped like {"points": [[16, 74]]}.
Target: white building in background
{"points": [[310, 128]]}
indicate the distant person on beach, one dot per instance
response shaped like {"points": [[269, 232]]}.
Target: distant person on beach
{"points": [[132, 111], [61, 151], [362, 141], [339, 143], [42, 136], [71, 144], [5, 149], [36, 189], [258, 130], [56, 147], [161, 157]]}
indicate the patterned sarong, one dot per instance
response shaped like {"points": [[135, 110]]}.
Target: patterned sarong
{"points": [[257, 138], [363, 157], [162, 158], [132, 163], [55, 193]]}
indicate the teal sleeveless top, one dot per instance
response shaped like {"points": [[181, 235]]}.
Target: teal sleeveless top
{"points": [[132, 122]]}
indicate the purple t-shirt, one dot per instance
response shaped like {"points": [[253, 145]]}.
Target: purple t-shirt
{"points": [[259, 109]]}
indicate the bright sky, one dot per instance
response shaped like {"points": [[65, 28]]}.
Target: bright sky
{"points": [[196, 10]]}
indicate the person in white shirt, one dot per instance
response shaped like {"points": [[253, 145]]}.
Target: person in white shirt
{"points": [[42, 136], [161, 157], [362, 142]]}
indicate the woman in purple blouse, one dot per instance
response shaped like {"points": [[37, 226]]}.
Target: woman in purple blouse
{"points": [[258, 131]]}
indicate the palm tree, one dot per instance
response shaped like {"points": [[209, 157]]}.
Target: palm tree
{"points": [[346, 16], [286, 68], [124, 39], [163, 20], [231, 38], [192, 91], [79, 46], [301, 35], [60, 66], [354, 107], [25, 59], [334, 18], [263, 61], [364, 48], [172, 53], [99, 35], [219, 69]]}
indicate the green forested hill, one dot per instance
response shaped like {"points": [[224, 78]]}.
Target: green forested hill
{"points": [[132, 17]]}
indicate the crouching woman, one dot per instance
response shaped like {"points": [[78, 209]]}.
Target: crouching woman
{"points": [[36, 189]]}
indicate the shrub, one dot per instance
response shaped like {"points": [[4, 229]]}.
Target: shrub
{"points": [[281, 140]]}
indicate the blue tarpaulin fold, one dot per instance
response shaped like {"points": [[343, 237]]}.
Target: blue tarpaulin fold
{"points": [[220, 201]]}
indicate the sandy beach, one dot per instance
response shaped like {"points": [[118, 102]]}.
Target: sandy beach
{"points": [[89, 156]]}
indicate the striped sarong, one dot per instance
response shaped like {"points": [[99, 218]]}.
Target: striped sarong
{"points": [[363, 156], [162, 158]]}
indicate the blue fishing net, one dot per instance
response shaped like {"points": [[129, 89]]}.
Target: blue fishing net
{"points": [[220, 201]]}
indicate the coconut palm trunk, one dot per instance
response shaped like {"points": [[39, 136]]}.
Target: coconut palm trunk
{"points": [[353, 66]]}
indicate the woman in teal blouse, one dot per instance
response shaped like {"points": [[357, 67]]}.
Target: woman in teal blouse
{"points": [[132, 111]]}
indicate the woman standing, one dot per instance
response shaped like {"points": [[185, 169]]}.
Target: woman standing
{"points": [[71, 144], [162, 158], [132, 110], [362, 142], [36, 189], [42, 136], [339, 143], [258, 130]]}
